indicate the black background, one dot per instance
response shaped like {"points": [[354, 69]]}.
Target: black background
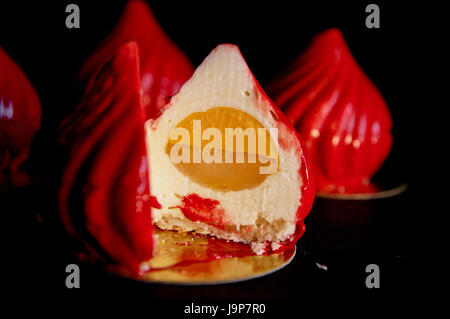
{"points": [[404, 58]]}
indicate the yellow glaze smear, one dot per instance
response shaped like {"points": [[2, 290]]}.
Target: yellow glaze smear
{"points": [[225, 176]]}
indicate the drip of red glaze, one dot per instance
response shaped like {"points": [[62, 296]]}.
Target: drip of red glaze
{"points": [[206, 210], [219, 248], [20, 119], [341, 116], [163, 66], [104, 196]]}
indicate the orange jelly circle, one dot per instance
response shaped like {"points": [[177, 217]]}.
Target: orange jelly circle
{"points": [[240, 156]]}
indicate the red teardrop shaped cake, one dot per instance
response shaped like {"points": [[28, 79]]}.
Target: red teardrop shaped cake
{"points": [[20, 119], [163, 66], [341, 116]]}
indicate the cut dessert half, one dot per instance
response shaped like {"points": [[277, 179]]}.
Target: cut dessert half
{"points": [[225, 161]]}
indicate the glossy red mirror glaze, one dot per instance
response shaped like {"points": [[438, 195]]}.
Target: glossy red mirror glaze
{"points": [[341, 116], [105, 180], [20, 119], [164, 67], [306, 173]]}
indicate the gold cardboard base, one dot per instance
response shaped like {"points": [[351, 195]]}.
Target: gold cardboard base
{"points": [[384, 193], [185, 258]]}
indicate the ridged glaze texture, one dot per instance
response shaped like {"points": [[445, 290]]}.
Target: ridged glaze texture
{"points": [[341, 116], [20, 119], [163, 66], [104, 194]]}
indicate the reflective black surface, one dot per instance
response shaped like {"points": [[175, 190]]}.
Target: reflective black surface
{"points": [[404, 235]]}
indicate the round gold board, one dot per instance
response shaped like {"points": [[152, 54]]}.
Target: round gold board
{"points": [[383, 193], [184, 259]]}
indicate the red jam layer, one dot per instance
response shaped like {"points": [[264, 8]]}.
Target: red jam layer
{"points": [[201, 209]]}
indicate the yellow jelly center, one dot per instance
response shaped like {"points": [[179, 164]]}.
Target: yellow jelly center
{"points": [[225, 149]]}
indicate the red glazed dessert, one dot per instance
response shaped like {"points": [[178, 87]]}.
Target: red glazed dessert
{"points": [[256, 189], [104, 195], [340, 114], [164, 68], [20, 119]]}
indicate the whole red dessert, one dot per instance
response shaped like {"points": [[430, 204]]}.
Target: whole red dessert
{"points": [[341, 116], [20, 119], [164, 67]]}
